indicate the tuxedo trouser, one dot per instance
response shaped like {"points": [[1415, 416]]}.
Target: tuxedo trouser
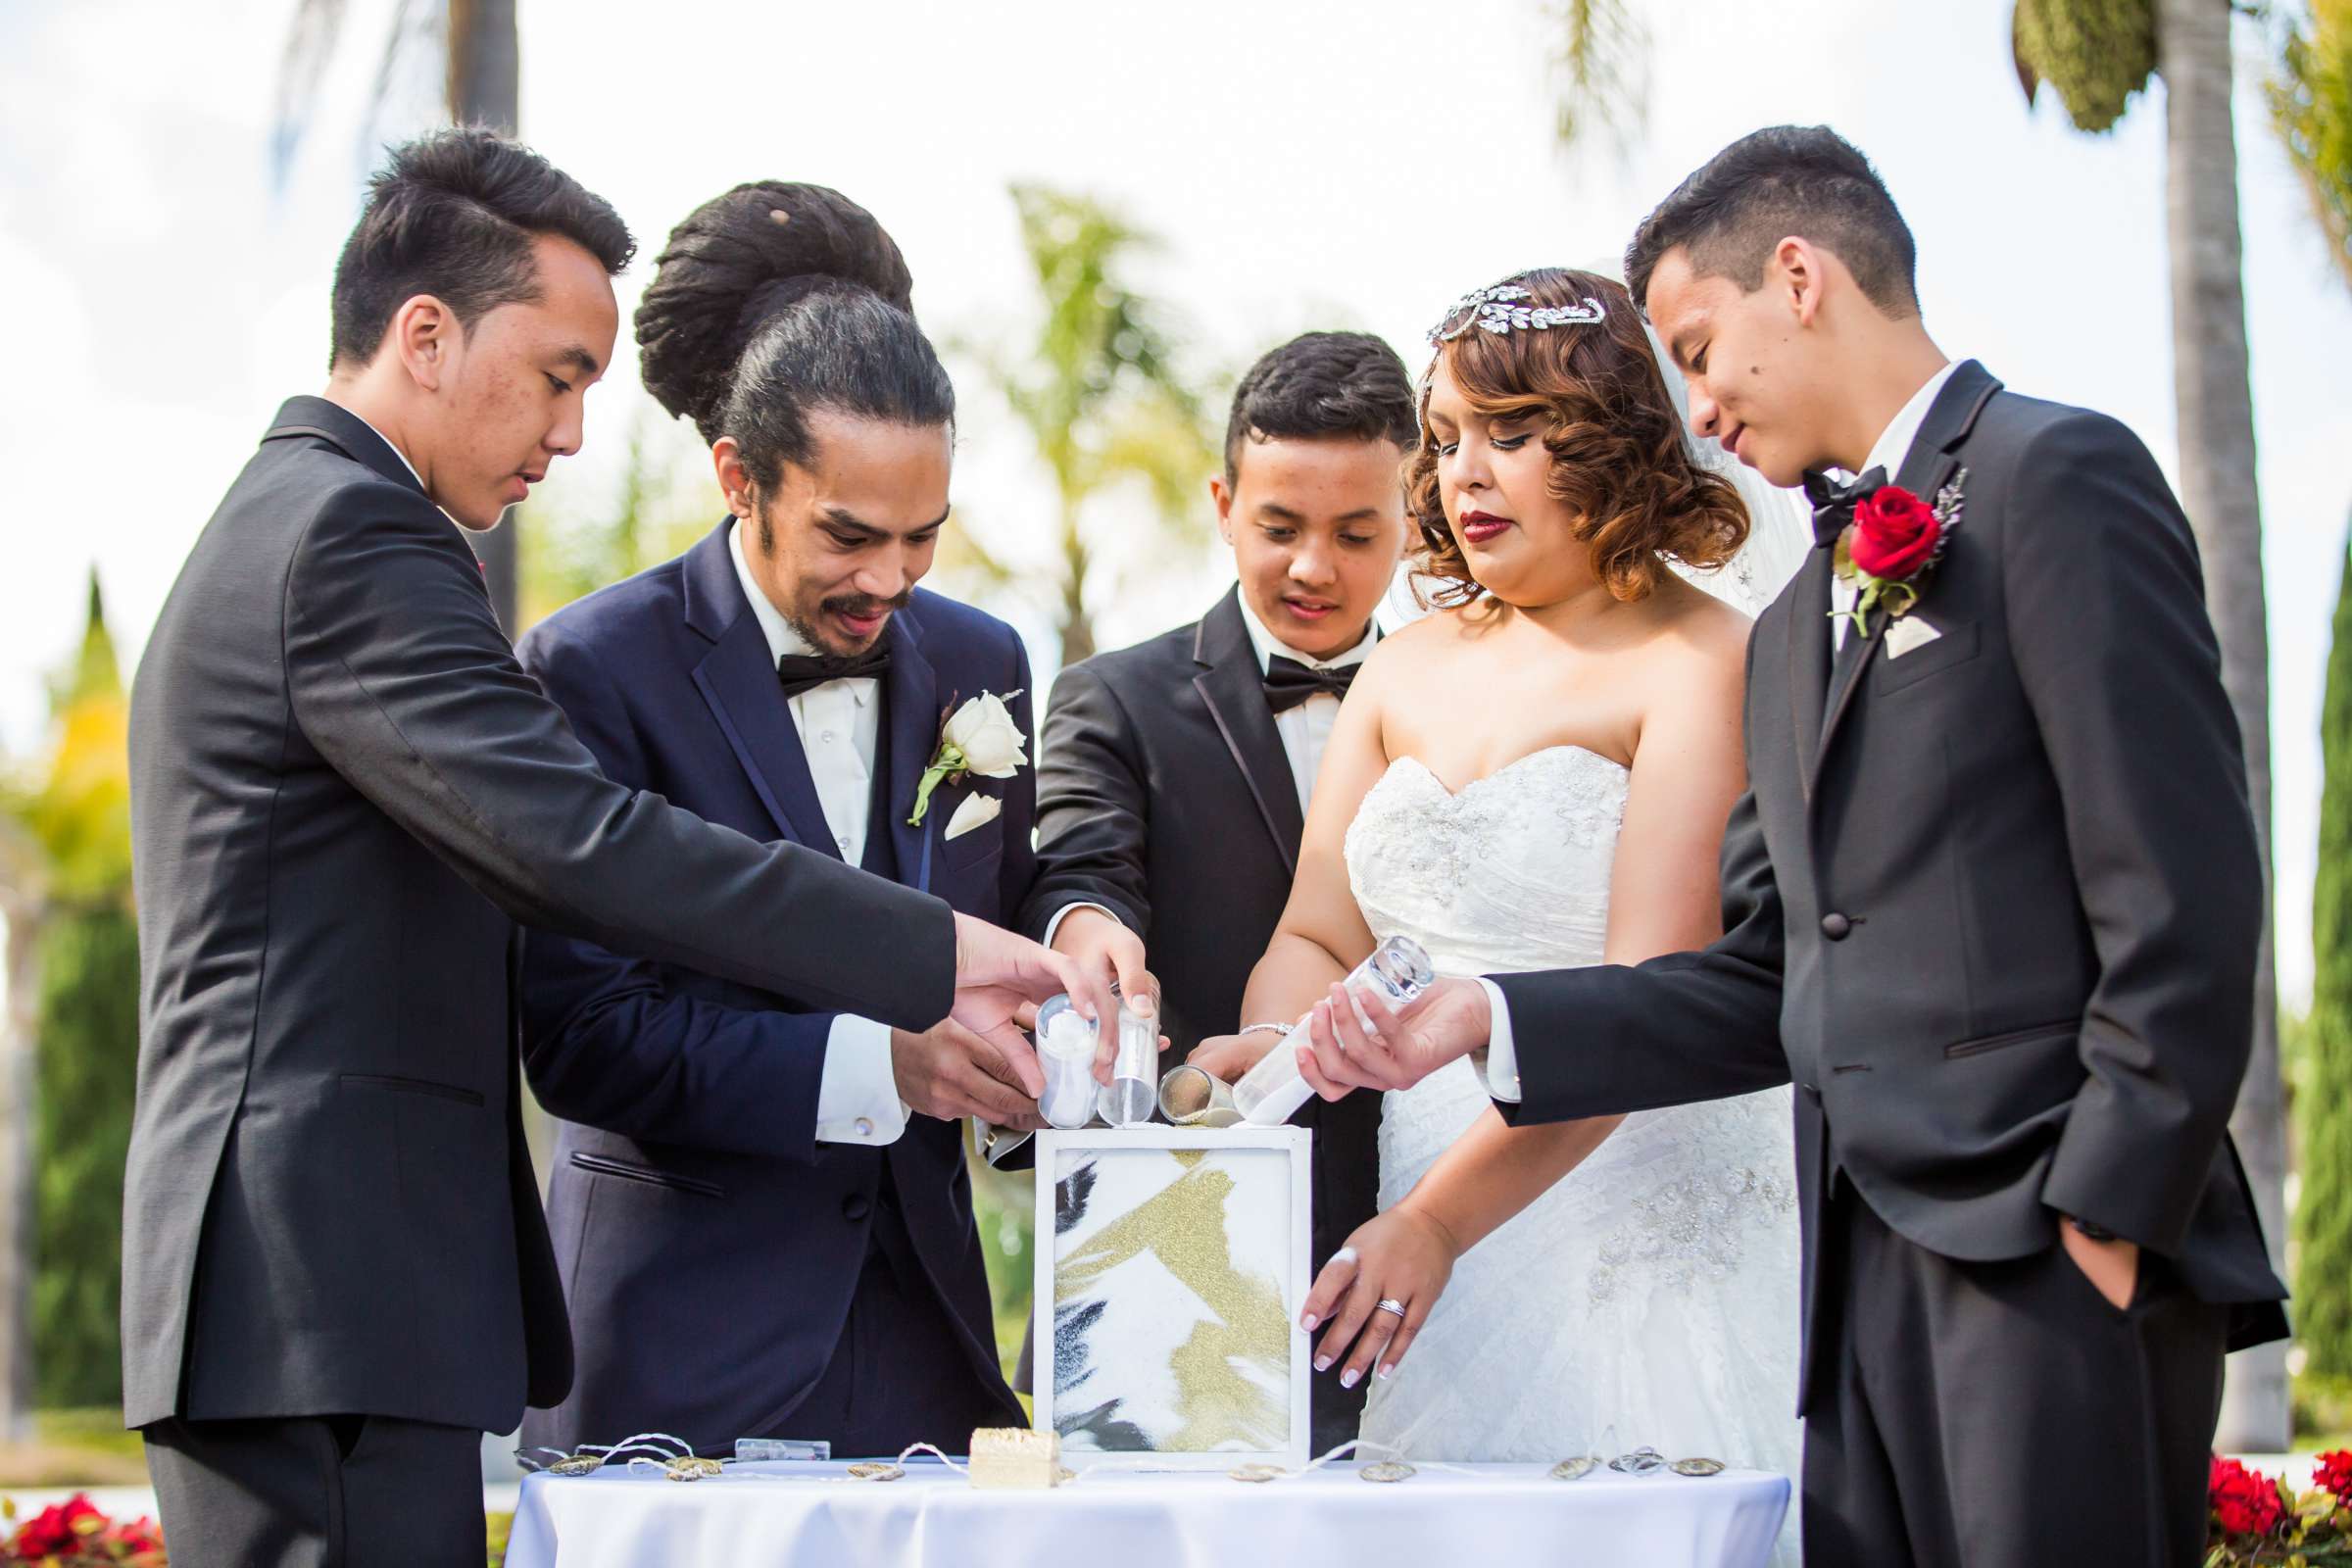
{"points": [[317, 1491], [2004, 1414], [899, 1373]]}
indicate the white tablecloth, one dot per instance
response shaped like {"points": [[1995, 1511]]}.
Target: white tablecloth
{"points": [[770, 1515]]}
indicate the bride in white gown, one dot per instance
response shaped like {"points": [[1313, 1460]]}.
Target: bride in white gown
{"points": [[1536, 777]]}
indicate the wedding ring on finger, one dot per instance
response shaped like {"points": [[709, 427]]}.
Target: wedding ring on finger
{"points": [[1390, 1303]]}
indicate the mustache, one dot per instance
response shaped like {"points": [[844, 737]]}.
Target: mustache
{"points": [[865, 604]]}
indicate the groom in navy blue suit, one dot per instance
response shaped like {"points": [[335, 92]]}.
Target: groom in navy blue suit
{"points": [[729, 1242], [760, 1209]]}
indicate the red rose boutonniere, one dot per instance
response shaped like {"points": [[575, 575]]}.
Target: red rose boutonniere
{"points": [[1894, 542]]}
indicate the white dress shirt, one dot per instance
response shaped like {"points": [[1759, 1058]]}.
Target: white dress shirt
{"points": [[1499, 1061], [838, 724], [1306, 729]]}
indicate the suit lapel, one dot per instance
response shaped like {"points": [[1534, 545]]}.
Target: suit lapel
{"points": [[1809, 660], [1234, 688], [910, 707], [738, 679], [1927, 468], [347, 432]]}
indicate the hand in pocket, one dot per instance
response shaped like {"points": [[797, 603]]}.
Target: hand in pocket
{"points": [[2112, 1267]]}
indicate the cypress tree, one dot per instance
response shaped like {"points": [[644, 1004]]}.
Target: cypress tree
{"points": [[2324, 1094], [86, 1061]]}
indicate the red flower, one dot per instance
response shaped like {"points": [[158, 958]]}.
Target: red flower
{"points": [[2245, 1501], [2333, 1472], [1895, 533], [51, 1533], [136, 1537]]}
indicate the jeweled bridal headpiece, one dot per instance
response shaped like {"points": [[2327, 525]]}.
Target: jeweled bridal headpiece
{"points": [[1497, 310]]}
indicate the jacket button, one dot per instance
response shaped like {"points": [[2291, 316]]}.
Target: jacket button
{"points": [[854, 1207], [1836, 926]]}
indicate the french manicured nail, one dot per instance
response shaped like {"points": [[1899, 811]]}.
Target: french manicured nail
{"points": [[1386, 1370], [1322, 1364], [1308, 1322], [1349, 1377]]}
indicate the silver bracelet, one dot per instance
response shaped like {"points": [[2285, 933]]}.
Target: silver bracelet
{"points": [[1261, 1028]]}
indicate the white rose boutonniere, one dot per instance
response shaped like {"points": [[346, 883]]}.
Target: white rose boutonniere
{"points": [[980, 737]]}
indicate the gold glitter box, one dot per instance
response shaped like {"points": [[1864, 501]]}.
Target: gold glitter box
{"points": [[1171, 1268]]}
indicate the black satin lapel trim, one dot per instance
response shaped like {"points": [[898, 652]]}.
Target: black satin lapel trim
{"points": [[1845, 680], [347, 432], [1808, 633], [738, 682], [1237, 700], [915, 709]]}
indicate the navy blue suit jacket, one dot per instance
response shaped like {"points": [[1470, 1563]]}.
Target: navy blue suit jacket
{"points": [[708, 1246]]}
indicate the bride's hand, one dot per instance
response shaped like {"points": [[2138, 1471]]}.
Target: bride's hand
{"points": [[1450, 1019], [1227, 1058], [1403, 1257]]}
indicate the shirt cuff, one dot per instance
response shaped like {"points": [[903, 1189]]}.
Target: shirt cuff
{"points": [[857, 1097], [1497, 1061], [996, 1144], [1065, 911]]}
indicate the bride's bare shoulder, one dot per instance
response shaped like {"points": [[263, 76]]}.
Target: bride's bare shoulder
{"points": [[1701, 626]]}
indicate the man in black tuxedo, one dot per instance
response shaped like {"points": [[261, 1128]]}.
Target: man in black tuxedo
{"points": [[792, 1183], [1174, 775], [344, 789], [1992, 901]]}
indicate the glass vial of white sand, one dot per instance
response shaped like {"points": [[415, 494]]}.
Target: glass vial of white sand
{"points": [[1129, 1096], [1065, 1051], [1397, 973]]}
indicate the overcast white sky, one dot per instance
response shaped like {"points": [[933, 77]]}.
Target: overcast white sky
{"points": [[1307, 163]]}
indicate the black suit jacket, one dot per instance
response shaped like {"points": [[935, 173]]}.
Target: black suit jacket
{"points": [[689, 1187], [343, 791], [1993, 905], [1165, 794]]}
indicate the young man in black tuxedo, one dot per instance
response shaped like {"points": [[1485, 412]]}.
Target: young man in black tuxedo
{"points": [[1173, 776], [344, 792], [1992, 901]]}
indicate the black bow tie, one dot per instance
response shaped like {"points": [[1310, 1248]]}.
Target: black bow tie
{"points": [[1834, 503], [1290, 683], [801, 672]]}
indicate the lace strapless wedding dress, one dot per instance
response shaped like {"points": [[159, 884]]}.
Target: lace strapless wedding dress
{"points": [[1650, 1296]]}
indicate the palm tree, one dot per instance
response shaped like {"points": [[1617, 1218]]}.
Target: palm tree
{"points": [[2311, 108], [2097, 54], [481, 87], [1099, 394]]}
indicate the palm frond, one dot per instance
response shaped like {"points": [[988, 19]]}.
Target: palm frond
{"points": [[1601, 72]]}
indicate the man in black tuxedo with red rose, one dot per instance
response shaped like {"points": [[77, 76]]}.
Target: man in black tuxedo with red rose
{"points": [[1992, 902]]}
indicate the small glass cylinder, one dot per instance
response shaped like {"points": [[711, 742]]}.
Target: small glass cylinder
{"points": [[1066, 1050], [1397, 973], [1193, 1096], [1127, 1099]]}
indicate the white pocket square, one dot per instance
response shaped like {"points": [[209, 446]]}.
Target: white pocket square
{"points": [[1908, 633], [977, 811]]}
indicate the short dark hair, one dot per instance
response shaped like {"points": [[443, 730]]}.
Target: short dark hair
{"points": [[454, 215], [774, 300], [1323, 386], [1789, 180]]}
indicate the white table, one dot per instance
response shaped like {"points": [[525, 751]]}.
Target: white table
{"points": [[772, 1515]]}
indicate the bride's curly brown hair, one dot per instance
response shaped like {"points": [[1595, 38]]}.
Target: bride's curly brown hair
{"points": [[1619, 463]]}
